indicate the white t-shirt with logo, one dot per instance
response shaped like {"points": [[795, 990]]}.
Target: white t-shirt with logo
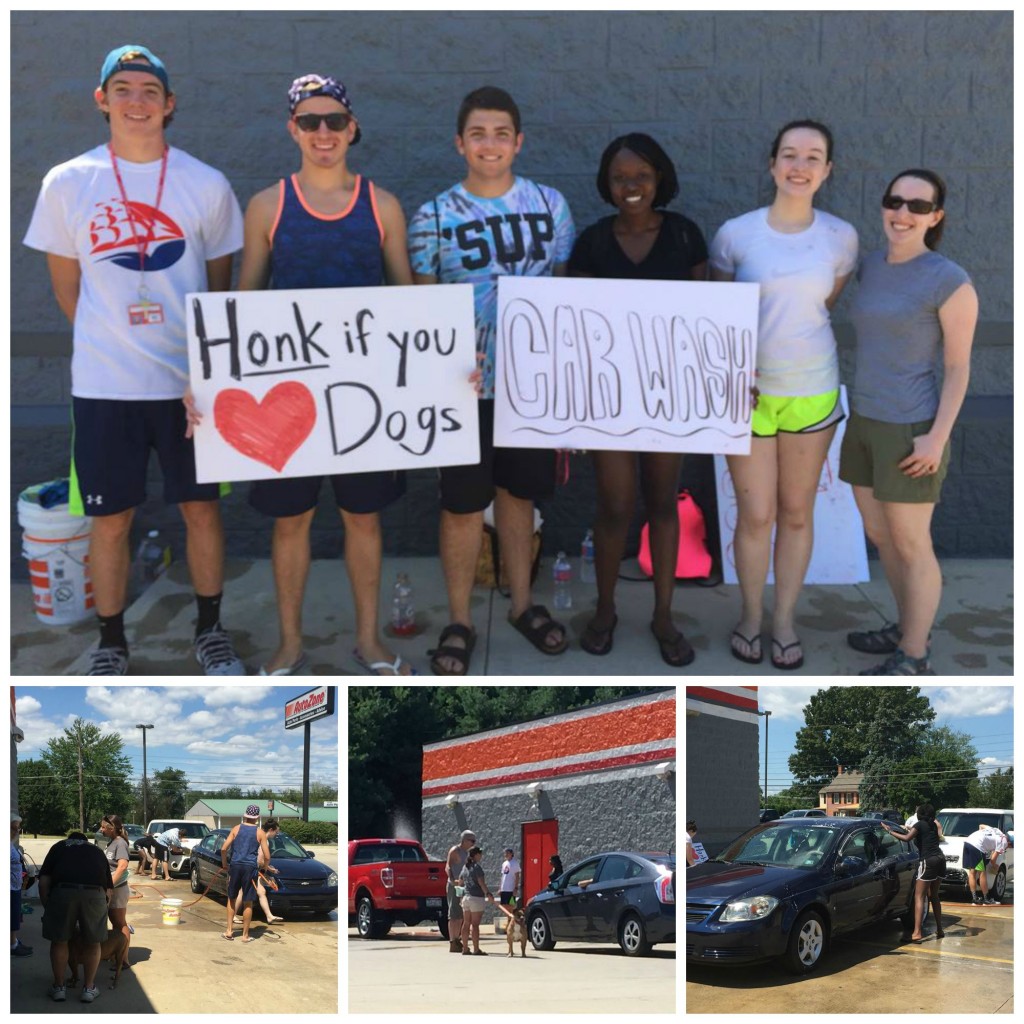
{"points": [[81, 215], [796, 349], [509, 870]]}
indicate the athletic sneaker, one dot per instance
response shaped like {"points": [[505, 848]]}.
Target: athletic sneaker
{"points": [[991, 901], [21, 949], [58, 993], [978, 899], [216, 654], [900, 664], [108, 661], [89, 994]]}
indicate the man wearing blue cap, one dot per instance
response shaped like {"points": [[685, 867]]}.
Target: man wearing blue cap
{"points": [[248, 841], [326, 227], [129, 228]]}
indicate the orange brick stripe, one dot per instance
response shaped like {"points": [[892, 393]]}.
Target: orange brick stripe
{"points": [[645, 723], [577, 768], [719, 696]]}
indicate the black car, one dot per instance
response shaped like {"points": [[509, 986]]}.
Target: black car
{"points": [[783, 889], [628, 898], [133, 831], [304, 884], [768, 814]]}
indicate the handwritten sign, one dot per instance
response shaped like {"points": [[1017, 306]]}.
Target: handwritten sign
{"points": [[332, 380], [625, 365], [840, 552]]}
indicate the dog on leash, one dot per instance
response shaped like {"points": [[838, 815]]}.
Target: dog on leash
{"points": [[111, 948], [516, 931]]}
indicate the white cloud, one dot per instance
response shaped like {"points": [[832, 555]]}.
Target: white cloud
{"points": [[25, 706], [786, 703], [970, 701]]}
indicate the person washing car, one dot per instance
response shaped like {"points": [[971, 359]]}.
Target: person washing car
{"points": [[161, 849], [988, 843], [695, 852]]}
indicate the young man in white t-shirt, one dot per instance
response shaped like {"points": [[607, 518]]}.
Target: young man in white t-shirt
{"points": [[510, 875], [129, 228]]}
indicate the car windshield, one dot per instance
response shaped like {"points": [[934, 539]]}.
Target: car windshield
{"points": [[283, 847], [964, 823], [794, 846]]}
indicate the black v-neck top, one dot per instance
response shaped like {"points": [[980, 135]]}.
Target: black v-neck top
{"points": [[679, 247]]}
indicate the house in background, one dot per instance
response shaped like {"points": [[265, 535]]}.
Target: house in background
{"points": [[841, 797], [228, 813]]}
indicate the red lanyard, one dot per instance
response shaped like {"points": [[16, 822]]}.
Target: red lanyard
{"points": [[142, 241]]}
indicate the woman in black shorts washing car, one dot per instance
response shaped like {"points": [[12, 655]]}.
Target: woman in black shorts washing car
{"points": [[926, 833]]}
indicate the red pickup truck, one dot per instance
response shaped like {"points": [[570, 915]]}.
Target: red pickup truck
{"points": [[391, 880]]}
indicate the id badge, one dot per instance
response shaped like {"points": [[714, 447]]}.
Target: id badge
{"points": [[142, 313]]}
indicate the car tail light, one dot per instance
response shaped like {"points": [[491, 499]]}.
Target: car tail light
{"points": [[663, 887], [387, 878]]}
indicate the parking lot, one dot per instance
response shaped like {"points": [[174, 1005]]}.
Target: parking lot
{"points": [[411, 971], [970, 970], [291, 967]]}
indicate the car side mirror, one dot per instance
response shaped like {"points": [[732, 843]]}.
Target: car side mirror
{"points": [[850, 866], [310, 854]]}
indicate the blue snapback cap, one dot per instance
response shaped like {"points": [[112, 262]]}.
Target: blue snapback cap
{"points": [[125, 58]]}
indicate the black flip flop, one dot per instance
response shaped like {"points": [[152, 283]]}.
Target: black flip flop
{"points": [[675, 651], [748, 659], [601, 640], [786, 666]]}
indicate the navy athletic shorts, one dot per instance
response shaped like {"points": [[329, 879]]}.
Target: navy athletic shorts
{"points": [[242, 877], [527, 473], [110, 455], [359, 493]]}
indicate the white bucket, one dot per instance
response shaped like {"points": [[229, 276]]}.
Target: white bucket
{"points": [[171, 909], [56, 545]]}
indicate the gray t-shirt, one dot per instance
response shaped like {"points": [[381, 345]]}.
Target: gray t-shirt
{"points": [[472, 876], [895, 314]]}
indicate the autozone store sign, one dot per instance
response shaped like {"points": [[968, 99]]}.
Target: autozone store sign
{"points": [[317, 703]]}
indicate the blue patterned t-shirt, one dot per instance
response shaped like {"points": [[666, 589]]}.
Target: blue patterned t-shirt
{"points": [[459, 237]]}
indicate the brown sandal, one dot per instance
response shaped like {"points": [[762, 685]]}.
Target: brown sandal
{"points": [[458, 654], [538, 634]]}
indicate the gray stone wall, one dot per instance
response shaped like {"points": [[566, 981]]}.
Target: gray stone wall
{"points": [[630, 810], [722, 780], [898, 88]]}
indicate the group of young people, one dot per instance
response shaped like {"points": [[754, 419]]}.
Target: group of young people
{"points": [[132, 226]]}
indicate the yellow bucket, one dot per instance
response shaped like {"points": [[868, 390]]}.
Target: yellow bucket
{"points": [[171, 910]]}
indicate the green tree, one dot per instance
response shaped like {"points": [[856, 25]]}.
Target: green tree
{"points": [[995, 790], [94, 773], [42, 798], [168, 791], [847, 724]]}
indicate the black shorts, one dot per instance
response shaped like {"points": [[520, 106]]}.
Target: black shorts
{"points": [[527, 473], [359, 493], [110, 454], [932, 869], [242, 878]]}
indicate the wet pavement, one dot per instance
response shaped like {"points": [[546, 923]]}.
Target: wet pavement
{"points": [[970, 970], [973, 632]]}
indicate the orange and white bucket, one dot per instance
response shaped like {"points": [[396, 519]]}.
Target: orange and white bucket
{"points": [[56, 545]]}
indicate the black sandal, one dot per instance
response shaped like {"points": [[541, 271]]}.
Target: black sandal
{"points": [[459, 654], [786, 666], [537, 635], [675, 651], [750, 641], [599, 641]]}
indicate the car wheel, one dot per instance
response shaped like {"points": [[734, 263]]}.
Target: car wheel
{"points": [[999, 886], [197, 886], [540, 932], [632, 936], [806, 943], [368, 923]]}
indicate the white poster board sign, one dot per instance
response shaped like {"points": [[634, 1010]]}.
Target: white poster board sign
{"points": [[840, 551], [332, 380], [624, 365]]}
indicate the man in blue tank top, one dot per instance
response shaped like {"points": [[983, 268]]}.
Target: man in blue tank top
{"points": [[245, 841], [326, 227]]}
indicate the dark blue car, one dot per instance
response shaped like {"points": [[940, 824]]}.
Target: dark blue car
{"points": [[784, 888], [304, 884], [628, 898]]}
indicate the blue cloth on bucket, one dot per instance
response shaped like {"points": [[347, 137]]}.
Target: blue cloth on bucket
{"points": [[54, 493]]}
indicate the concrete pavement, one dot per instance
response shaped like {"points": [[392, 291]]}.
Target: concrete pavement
{"points": [[973, 633]]}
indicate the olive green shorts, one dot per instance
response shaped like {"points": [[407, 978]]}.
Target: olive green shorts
{"points": [[871, 454]]}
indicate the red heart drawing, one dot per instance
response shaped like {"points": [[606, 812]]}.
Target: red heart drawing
{"points": [[270, 431]]}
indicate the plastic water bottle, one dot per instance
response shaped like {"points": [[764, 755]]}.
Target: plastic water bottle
{"points": [[151, 560], [563, 582], [588, 571], [403, 615]]}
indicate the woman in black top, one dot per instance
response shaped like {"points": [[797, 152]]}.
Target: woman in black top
{"points": [[931, 869], [641, 241], [556, 867]]}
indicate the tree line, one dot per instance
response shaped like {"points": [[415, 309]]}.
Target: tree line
{"points": [[83, 774]]}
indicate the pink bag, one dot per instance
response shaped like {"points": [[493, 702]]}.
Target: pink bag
{"points": [[693, 559]]}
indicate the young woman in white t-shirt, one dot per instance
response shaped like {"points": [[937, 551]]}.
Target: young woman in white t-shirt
{"points": [[801, 258]]}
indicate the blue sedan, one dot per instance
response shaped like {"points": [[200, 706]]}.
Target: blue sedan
{"points": [[784, 888], [304, 884], [628, 898]]}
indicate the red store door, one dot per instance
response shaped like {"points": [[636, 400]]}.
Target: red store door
{"points": [[540, 841]]}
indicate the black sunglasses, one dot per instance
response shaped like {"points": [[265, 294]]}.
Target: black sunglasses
{"points": [[336, 122], [913, 205]]}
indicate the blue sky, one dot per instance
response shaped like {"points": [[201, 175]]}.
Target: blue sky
{"points": [[219, 734], [985, 713]]}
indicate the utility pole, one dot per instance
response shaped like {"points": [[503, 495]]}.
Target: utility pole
{"points": [[145, 784], [765, 715], [81, 787]]}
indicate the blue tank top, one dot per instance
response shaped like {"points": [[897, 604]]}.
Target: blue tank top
{"points": [[245, 846], [315, 250]]}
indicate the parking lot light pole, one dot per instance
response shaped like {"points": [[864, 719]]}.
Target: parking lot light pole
{"points": [[145, 802], [765, 715]]}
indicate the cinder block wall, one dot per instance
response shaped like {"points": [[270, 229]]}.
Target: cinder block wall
{"points": [[899, 89]]}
